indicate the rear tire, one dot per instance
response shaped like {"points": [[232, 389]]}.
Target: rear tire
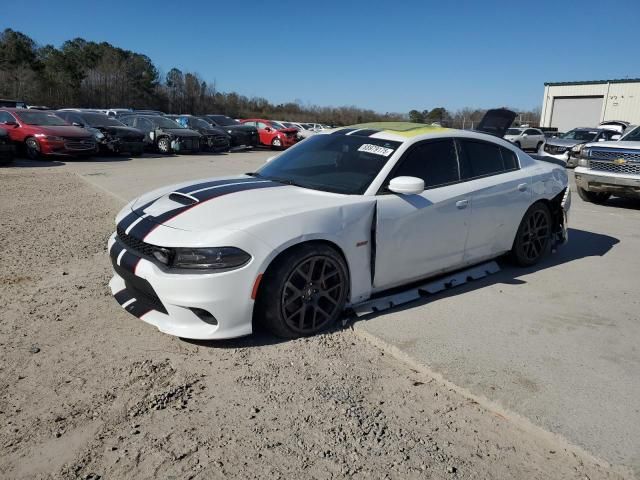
{"points": [[538, 146], [533, 238], [593, 197], [304, 292], [32, 149]]}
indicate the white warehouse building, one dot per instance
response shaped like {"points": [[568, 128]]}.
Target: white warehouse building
{"points": [[568, 105]]}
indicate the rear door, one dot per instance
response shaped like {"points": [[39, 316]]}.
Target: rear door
{"points": [[500, 195], [420, 235]]}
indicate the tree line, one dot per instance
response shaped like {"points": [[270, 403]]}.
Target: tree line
{"points": [[87, 74]]}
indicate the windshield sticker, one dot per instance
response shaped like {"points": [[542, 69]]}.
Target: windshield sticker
{"points": [[375, 149]]}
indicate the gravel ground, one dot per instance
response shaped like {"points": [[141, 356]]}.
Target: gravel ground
{"points": [[88, 391]]}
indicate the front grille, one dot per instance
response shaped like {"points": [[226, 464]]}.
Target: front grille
{"points": [[633, 156], [135, 244], [189, 143], [75, 144], [628, 168], [555, 150]]}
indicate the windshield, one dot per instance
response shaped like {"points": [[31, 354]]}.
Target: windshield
{"points": [[224, 120], [41, 118], [632, 136], [582, 135], [513, 131], [331, 163], [163, 122], [99, 120], [198, 122], [276, 125]]}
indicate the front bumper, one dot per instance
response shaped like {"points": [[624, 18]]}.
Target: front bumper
{"points": [[121, 145], [167, 300], [68, 147], [615, 183]]}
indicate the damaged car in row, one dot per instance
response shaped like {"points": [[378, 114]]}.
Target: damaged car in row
{"points": [[213, 139], [111, 135], [163, 134], [328, 224]]}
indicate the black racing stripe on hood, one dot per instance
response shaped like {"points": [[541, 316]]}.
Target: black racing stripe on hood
{"points": [[123, 296], [343, 131], [133, 215], [138, 308], [148, 224], [214, 183], [367, 132]]}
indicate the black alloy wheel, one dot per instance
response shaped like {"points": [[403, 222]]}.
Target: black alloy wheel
{"points": [[533, 237], [32, 148], [305, 292]]}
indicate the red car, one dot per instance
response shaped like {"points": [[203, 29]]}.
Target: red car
{"points": [[43, 133], [273, 134]]}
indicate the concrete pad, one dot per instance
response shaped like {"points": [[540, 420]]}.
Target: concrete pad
{"points": [[557, 344]]}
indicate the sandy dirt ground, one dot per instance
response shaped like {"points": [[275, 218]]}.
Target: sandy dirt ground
{"points": [[88, 391]]}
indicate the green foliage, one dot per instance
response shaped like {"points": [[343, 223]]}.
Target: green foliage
{"points": [[89, 74]]}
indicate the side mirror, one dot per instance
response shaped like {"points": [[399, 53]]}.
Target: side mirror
{"points": [[10, 123], [407, 185], [76, 124], [525, 135], [602, 139], [268, 129]]}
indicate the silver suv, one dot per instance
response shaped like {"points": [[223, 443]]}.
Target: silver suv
{"points": [[525, 138]]}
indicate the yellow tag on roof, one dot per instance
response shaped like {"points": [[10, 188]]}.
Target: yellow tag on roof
{"points": [[404, 129]]}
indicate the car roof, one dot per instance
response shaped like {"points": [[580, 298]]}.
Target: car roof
{"points": [[408, 132]]}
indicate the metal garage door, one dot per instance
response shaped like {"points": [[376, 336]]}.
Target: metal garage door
{"points": [[572, 112]]}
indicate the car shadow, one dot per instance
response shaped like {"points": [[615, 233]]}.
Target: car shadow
{"points": [[26, 163], [581, 244], [626, 203]]}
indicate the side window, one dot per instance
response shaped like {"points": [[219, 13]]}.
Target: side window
{"points": [[252, 124], [532, 132], [435, 162], [484, 158], [143, 124], [262, 125], [128, 121]]}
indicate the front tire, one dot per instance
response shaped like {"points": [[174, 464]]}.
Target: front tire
{"points": [[276, 143], [32, 148], [164, 145], [538, 146], [593, 197], [533, 238], [304, 292]]}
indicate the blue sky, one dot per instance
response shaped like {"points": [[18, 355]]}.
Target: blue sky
{"points": [[388, 56]]}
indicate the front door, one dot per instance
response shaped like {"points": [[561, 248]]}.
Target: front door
{"points": [[422, 235]]}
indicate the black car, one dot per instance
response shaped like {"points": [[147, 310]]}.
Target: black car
{"points": [[7, 149], [163, 134], [214, 139], [112, 136], [242, 136]]}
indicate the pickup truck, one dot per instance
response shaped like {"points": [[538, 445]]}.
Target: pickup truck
{"points": [[610, 168]]}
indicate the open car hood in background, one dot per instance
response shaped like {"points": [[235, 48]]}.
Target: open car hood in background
{"points": [[496, 122]]}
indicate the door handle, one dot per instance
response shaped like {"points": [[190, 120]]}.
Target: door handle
{"points": [[462, 204], [523, 187]]}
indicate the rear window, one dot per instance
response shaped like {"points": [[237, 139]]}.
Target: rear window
{"points": [[484, 158]]}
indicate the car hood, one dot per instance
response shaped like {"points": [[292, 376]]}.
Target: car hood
{"points": [[121, 131], [65, 131], [616, 144], [181, 132], [231, 203], [563, 142], [511, 137], [288, 130]]}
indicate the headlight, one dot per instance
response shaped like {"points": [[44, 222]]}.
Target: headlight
{"points": [[49, 138], [577, 148], [215, 258], [230, 131], [583, 162]]}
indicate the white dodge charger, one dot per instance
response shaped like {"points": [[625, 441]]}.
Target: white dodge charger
{"points": [[329, 223]]}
